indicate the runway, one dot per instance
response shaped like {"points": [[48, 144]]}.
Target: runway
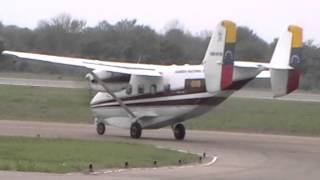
{"points": [[240, 156], [43, 83], [244, 93]]}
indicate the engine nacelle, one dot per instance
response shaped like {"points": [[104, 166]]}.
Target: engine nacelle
{"points": [[115, 81]]}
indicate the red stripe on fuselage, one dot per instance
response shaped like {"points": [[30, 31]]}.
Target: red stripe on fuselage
{"points": [[293, 80], [226, 76]]}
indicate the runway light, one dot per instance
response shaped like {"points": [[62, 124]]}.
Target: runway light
{"points": [[90, 168], [200, 159], [179, 161], [126, 164], [204, 155], [155, 163]]}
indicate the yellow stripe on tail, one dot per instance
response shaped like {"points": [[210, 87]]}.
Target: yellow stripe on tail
{"points": [[231, 29], [296, 36]]}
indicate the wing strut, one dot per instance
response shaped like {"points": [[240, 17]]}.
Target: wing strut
{"points": [[130, 113]]}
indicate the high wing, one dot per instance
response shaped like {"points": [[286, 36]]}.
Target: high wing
{"points": [[125, 68], [94, 65]]}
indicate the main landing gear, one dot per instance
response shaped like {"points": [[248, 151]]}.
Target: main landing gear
{"points": [[135, 130], [179, 131]]}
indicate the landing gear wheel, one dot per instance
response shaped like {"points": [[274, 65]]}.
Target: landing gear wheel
{"points": [[179, 132], [135, 130], [101, 128]]}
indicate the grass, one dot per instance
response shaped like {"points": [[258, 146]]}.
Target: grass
{"points": [[253, 115], [45, 104], [235, 114], [63, 155]]}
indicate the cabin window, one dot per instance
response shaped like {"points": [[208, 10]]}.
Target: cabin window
{"points": [[167, 88], [195, 84], [153, 89], [140, 89], [129, 89]]}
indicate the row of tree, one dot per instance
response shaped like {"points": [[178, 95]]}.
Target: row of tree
{"points": [[128, 41]]}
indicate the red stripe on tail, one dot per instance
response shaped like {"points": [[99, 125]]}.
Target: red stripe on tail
{"points": [[226, 76], [293, 80]]}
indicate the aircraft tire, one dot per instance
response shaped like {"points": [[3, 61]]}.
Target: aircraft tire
{"points": [[179, 132], [135, 130], [101, 128]]}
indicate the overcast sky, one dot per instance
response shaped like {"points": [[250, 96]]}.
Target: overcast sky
{"points": [[267, 18]]}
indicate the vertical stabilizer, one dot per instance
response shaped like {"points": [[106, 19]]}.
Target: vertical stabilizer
{"points": [[285, 65], [219, 57]]}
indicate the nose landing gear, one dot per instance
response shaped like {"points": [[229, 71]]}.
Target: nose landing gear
{"points": [[101, 128]]}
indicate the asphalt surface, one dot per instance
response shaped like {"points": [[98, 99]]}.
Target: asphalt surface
{"points": [[240, 155]]}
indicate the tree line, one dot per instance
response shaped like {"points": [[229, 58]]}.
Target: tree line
{"points": [[128, 41]]}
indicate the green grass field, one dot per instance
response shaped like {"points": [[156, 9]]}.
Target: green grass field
{"points": [[62, 155], [235, 114], [45, 104]]}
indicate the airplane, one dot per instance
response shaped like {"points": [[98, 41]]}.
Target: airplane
{"points": [[156, 96]]}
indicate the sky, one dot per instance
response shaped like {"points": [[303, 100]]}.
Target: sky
{"points": [[267, 18]]}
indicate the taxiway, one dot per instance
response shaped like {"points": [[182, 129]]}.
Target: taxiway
{"points": [[240, 155]]}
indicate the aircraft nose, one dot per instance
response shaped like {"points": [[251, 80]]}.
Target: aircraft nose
{"points": [[99, 97]]}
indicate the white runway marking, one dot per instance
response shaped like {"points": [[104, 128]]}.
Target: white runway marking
{"points": [[214, 159]]}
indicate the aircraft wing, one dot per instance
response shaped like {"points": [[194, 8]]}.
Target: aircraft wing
{"points": [[246, 64], [125, 68]]}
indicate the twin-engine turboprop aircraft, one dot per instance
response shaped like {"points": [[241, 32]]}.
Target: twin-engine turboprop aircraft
{"points": [[156, 96]]}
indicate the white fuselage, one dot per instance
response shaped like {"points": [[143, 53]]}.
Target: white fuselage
{"points": [[178, 95]]}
